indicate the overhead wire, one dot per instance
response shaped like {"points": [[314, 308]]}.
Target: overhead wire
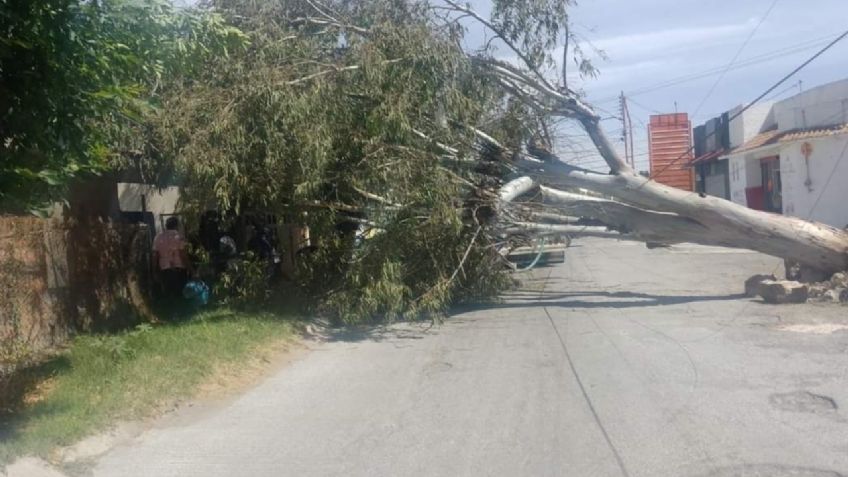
{"points": [[774, 54], [757, 99], [735, 57]]}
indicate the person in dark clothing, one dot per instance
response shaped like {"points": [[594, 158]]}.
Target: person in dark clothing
{"points": [[261, 245]]}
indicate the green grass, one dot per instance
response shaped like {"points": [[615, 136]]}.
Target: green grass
{"points": [[101, 379]]}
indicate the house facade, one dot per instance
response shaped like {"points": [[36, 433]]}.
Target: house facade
{"points": [[784, 157]]}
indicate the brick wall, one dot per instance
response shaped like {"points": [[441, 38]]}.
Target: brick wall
{"points": [[60, 277]]}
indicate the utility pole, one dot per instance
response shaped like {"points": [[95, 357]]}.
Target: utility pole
{"points": [[627, 132]]}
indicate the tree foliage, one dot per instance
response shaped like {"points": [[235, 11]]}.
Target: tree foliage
{"points": [[77, 74], [360, 135]]}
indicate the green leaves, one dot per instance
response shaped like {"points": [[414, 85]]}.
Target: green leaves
{"points": [[78, 77], [322, 133]]}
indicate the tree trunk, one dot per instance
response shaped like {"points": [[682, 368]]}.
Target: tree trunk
{"points": [[695, 218]]}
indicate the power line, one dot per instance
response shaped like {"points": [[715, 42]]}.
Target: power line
{"points": [[791, 87], [803, 46], [755, 101], [646, 108], [735, 57]]}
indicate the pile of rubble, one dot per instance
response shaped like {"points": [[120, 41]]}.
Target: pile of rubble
{"points": [[773, 290]]}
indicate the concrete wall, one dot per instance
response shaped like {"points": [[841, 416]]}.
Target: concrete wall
{"points": [[755, 120], [798, 199], [159, 201], [745, 172], [820, 106], [736, 166]]}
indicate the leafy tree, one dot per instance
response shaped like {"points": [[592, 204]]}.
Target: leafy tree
{"points": [[359, 125], [75, 75]]}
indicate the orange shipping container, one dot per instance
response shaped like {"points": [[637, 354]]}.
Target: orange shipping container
{"points": [[670, 150]]}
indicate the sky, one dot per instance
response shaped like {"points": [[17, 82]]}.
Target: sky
{"points": [[650, 44], [669, 55]]}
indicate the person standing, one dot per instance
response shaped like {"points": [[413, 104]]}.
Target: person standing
{"points": [[170, 257]]}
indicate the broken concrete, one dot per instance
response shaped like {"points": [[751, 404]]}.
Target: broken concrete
{"points": [[752, 285], [783, 291], [839, 280], [833, 290], [833, 295]]}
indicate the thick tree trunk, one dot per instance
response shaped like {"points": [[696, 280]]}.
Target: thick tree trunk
{"points": [[697, 218]]}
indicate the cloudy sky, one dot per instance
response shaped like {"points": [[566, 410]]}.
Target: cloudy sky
{"points": [[667, 52]]}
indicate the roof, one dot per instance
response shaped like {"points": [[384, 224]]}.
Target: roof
{"points": [[813, 133], [769, 138], [763, 139], [708, 156]]}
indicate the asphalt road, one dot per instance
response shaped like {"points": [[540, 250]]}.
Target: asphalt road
{"points": [[622, 361]]}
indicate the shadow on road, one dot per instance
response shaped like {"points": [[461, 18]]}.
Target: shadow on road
{"points": [[411, 330], [416, 330], [530, 299]]}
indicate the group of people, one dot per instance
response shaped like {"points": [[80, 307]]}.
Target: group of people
{"points": [[176, 275]]}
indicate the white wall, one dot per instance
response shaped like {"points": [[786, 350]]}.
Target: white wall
{"points": [[738, 179], [159, 201], [755, 120], [745, 172], [832, 205], [821, 106]]}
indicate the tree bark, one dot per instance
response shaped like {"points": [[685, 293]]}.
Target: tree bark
{"points": [[701, 219]]}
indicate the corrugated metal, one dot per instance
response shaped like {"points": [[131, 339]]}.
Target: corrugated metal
{"points": [[669, 143]]}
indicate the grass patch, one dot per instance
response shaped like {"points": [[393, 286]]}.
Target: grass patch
{"points": [[100, 379]]}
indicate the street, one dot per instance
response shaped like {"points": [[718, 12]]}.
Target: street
{"points": [[622, 361]]}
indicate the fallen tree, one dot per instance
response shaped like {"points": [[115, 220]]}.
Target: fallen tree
{"points": [[419, 162], [640, 207]]}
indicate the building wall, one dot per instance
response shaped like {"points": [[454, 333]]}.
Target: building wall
{"points": [[798, 200], [669, 143], [716, 178], [158, 201], [755, 120], [745, 172], [820, 106], [738, 178], [59, 276]]}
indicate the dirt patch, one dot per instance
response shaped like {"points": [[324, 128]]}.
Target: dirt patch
{"points": [[235, 379]]}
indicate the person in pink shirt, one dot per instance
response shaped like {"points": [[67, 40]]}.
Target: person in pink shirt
{"points": [[170, 258]]}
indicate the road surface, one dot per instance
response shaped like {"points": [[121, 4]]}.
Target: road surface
{"points": [[622, 361]]}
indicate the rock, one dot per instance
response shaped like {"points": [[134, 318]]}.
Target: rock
{"points": [[839, 280], [843, 296], [818, 290], [833, 294], [752, 285], [783, 291]]}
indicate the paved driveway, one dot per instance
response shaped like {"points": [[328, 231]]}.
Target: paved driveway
{"points": [[622, 361]]}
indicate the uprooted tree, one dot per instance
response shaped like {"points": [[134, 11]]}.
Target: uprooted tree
{"points": [[376, 115]]}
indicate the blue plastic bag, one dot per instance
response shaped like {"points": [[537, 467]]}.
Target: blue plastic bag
{"points": [[197, 292]]}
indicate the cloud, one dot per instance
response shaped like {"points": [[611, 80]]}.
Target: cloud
{"points": [[669, 41]]}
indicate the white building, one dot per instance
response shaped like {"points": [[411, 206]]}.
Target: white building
{"points": [[787, 157]]}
